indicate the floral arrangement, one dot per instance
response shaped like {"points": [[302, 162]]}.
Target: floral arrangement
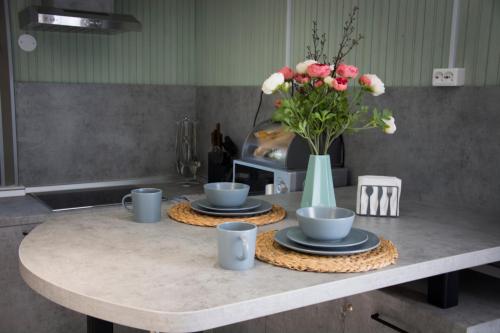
{"points": [[319, 101]]}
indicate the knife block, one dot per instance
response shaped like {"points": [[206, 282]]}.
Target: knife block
{"points": [[219, 166]]}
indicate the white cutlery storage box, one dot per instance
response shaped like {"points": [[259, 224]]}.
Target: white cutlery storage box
{"points": [[378, 196]]}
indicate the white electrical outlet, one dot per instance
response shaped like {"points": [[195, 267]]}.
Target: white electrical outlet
{"points": [[448, 77]]}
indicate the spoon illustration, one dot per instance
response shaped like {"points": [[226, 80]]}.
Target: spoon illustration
{"points": [[369, 192]]}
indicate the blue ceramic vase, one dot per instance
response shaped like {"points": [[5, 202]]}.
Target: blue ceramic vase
{"points": [[318, 187]]}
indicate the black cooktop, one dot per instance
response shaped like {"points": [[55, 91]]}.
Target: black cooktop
{"points": [[85, 198]]}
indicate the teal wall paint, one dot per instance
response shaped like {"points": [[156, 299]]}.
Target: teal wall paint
{"points": [[239, 42], [163, 53]]}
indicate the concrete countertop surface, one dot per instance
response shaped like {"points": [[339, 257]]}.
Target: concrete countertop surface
{"points": [[21, 210], [164, 276]]}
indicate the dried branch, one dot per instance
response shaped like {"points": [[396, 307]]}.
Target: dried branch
{"points": [[348, 42], [317, 51]]}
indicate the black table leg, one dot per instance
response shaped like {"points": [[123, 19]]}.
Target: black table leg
{"points": [[95, 325], [442, 290]]}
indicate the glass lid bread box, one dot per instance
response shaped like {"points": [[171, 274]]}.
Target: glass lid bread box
{"points": [[271, 144]]}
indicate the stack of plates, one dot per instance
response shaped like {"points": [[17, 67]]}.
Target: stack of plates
{"points": [[250, 207], [357, 241]]}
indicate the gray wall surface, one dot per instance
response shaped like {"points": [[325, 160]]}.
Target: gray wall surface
{"points": [[446, 148], [70, 133], [234, 108]]}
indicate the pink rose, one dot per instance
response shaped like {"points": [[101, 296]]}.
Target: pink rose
{"points": [[302, 79], [318, 83], [347, 71], [364, 80], [287, 73], [339, 84], [318, 70]]}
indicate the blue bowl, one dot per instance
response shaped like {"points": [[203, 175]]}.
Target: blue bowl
{"points": [[325, 223], [226, 194]]}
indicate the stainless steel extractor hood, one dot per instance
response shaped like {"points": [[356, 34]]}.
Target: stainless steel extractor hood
{"points": [[80, 16]]}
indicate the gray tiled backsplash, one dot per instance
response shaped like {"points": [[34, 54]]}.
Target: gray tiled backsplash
{"points": [[445, 149], [69, 133]]}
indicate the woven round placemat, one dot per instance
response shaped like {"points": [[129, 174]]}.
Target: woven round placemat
{"points": [[182, 212], [269, 251]]}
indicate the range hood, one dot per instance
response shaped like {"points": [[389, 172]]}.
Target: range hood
{"points": [[77, 16]]}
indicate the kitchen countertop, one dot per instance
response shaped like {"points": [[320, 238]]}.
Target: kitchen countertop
{"points": [[164, 277], [23, 210]]}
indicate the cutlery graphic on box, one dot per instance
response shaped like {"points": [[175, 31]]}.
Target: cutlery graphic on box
{"points": [[384, 202], [363, 202], [378, 196]]}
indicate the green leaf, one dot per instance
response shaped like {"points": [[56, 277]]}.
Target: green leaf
{"points": [[386, 114]]}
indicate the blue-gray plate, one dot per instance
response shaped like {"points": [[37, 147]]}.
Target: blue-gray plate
{"points": [[355, 237], [263, 208], [249, 204], [372, 243]]}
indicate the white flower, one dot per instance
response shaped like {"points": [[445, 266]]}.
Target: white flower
{"points": [[376, 86], [390, 125], [285, 86], [301, 67], [272, 83], [328, 80]]}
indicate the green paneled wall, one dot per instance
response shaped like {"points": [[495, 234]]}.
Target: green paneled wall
{"points": [[479, 41], [163, 53], [403, 39], [238, 42]]}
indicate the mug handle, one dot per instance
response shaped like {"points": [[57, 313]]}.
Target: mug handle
{"points": [[244, 244], [124, 204]]}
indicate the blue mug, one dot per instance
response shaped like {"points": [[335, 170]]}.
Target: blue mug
{"points": [[236, 245], [146, 204]]}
